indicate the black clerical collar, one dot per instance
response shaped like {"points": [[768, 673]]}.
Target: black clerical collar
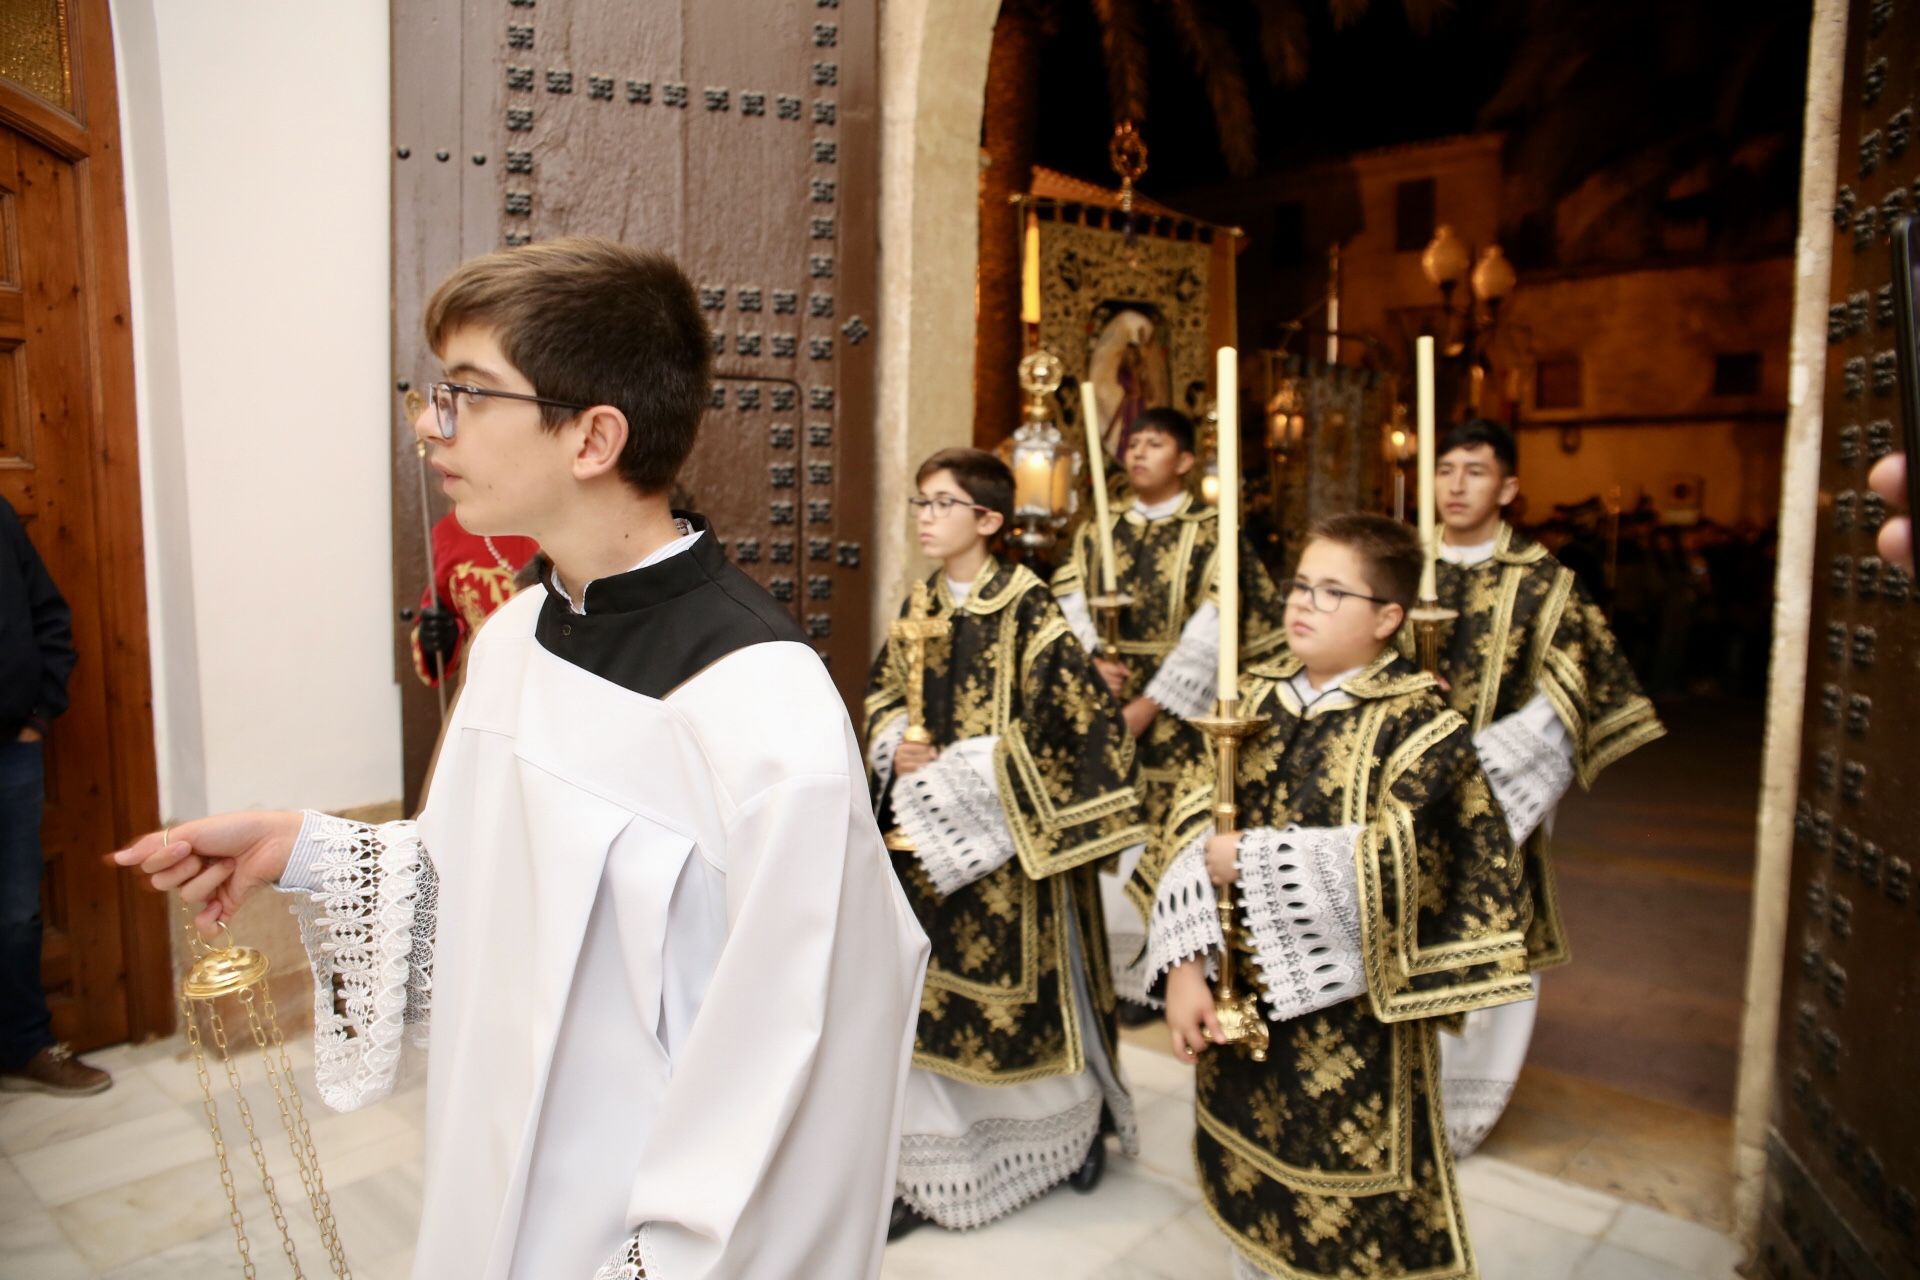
{"points": [[651, 629]]}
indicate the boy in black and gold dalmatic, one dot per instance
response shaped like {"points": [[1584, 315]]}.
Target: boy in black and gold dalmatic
{"points": [[1549, 699], [1379, 891], [1026, 787], [1164, 549]]}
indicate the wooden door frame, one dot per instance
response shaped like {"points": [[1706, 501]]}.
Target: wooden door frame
{"points": [[89, 137]]}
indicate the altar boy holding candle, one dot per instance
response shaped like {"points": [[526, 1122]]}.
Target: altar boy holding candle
{"points": [[1025, 788], [1380, 891], [1550, 699], [1162, 550]]}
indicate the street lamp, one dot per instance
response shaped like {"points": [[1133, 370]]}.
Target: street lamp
{"points": [[1447, 261]]}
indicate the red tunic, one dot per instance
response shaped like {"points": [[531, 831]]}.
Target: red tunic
{"points": [[471, 580]]}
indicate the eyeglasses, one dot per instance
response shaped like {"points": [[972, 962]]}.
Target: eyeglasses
{"points": [[1323, 599], [942, 505], [450, 397]]}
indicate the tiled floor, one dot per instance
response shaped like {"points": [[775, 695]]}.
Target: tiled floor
{"points": [[123, 1186]]}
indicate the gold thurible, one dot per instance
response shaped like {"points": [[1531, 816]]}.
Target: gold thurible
{"points": [[1236, 1010], [912, 633], [241, 972]]}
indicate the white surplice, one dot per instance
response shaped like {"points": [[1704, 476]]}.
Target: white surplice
{"points": [[671, 978]]}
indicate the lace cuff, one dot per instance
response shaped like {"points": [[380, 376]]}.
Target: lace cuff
{"points": [[1185, 920], [629, 1262], [1187, 681], [1299, 896], [1080, 619], [1528, 764], [366, 902], [881, 750], [951, 811]]}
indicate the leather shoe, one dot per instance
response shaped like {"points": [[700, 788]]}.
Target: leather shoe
{"points": [[55, 1070], [1092, 1169], [905, 1218]]}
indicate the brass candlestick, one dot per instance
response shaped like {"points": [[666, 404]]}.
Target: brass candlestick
{"points": [[1237, 1011], [1106, 612], [1431, 621], [913, 632], [241, 972]]}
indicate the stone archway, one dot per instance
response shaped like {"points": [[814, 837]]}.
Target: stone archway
{"points": [[933, 81]]}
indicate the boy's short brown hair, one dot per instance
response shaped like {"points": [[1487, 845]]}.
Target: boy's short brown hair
{"points": [[591, 321], [1390, 549], [982, 476]]}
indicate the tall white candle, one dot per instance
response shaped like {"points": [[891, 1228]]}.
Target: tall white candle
{"points": [[1423, 373], [1227, 397], [1097, 472]]}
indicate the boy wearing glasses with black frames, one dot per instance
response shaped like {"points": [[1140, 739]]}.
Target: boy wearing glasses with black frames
{"points": [[1022, 791], [1165, 544], [1380, 891], [670, 975]]}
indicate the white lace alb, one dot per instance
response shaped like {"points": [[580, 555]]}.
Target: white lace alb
{"points": [[1299, 898], [366, 903], [1185, 919], [1188, 679], [951, 811], [1528, 764]]}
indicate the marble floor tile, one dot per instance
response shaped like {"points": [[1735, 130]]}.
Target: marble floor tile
{"points": [[32, 1248], [29, 1121], [1166, 1137], [121, 1224], [16, 1197], [1610, 1262], [1693, 1248], [113, 1155], [1188, 1248], [1511, 1246], [1580, 1211]]}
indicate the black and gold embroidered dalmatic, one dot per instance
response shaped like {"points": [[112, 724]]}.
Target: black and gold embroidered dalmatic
{"points": [[1168, 564], [1528, 630], [1330, 1158], [1033, 791]]}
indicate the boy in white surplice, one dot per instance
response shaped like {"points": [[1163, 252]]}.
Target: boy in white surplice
{"points": [[670, 974], [1017, 794]]}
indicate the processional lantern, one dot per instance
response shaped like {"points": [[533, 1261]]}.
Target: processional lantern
{"points": [[240, 974], [1044, 466]]}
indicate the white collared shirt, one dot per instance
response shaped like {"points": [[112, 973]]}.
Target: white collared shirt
{"points": [[1478, 553], [1313, 698], [1159, 510]]}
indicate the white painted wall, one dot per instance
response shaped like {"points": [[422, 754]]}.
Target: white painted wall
{"points": [[255, 139]]}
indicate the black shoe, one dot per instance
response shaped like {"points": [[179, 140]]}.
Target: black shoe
{"points": [[905, 1218], [1131, 1013], [1092, 1169]]}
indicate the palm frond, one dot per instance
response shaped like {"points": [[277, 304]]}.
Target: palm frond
{"points": [[1210, 47], [1346, 12], [1424, 15], [1283, 40], [1123, 40]]}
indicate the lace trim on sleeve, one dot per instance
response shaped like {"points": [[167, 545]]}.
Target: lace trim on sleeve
{"points": [[1080, 620], [629, 1262], [881, 750], [1299, 896], [1527, 769], [1187, 680], [1185, 920], [951, 811], [366, 905]]}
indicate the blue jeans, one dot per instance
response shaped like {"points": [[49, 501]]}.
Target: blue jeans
{"points": [[25, 1026]]}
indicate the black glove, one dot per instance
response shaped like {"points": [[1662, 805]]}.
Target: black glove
{"points": [[439, 635]]}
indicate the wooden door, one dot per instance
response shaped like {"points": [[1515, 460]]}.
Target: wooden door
{"points": [[1843, 1153], [740, 136], [68, 467]]}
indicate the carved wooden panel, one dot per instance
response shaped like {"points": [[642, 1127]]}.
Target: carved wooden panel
{"points": [[739, 135], [1844, 1157]]}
